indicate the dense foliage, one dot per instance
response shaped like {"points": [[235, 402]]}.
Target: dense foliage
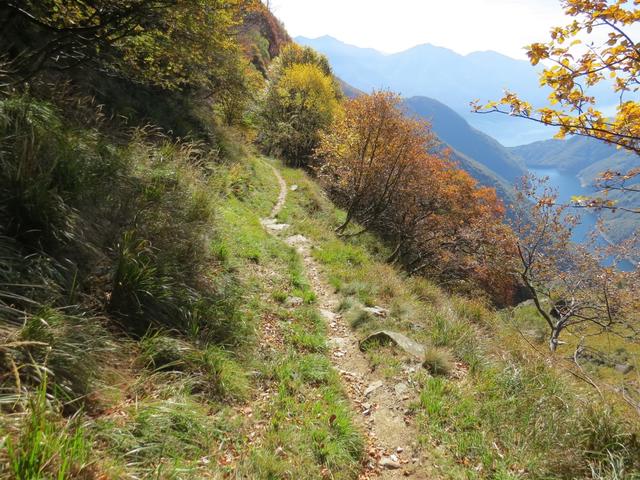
{"points": [[385, 169], [301, 100]]}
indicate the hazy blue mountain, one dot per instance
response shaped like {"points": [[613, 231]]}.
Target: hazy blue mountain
{"points": [[571, 155], [454, 130], [451, 78], [441, 73]]}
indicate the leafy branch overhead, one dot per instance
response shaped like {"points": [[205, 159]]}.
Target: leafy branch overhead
{"points": [[595, 48], [169, 43]]}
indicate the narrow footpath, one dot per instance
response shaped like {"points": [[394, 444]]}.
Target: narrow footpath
{"points": [[381, 406]]}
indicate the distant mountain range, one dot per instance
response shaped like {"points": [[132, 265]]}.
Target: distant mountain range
{"points": [[483, 157], [456, 132], [448, 76], [452, 79]]}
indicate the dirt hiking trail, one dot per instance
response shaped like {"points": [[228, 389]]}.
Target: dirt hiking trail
{"points": [[381, 406]]}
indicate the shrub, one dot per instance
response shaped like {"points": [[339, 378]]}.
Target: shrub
{"points": [[301, 100], [212, 372], [45, 169], [66, 349], [219, 375], [358, 318], [438, 361], [161, 352]]}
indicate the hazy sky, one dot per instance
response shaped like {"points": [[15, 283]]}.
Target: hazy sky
{"points": [[394, 25]]}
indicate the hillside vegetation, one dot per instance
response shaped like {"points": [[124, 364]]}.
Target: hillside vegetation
{"points": [[153, 325]]}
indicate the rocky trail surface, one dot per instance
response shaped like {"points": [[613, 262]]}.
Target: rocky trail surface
{"points": [[381, 405]]}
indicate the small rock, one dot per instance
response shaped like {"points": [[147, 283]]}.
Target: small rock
{"points": [[399, 450], [624, 368], [376, 311], [294, 188], [410, 346], [388, 463], [297, 240], [293, 302], [401, 389], [394, 457], [273, 224], [338, 342], [328, 314], [372, 388]]}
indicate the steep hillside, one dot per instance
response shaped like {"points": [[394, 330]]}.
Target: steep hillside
{"points": [[262, 36], [571, 155], [348, 90], [457, 133]]}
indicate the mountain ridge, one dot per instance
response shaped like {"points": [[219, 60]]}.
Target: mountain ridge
{"points": [[443, 74]]}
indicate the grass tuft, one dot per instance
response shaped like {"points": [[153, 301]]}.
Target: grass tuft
{"points": [[438, 361]]}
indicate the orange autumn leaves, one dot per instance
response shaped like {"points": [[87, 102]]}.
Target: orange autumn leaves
{"points": [[392, 176]]}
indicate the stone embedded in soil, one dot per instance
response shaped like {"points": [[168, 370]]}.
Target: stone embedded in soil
{"points": [[328, 314], [297, 240], [293, 302], [401, 389], [386, 462], [410, 346], [373, 387], [338, 342], [273, 224], [377, 311]]}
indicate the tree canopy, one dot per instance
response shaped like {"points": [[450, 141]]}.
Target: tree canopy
{"points": [[169, 43], [390, 174], [301, 99]]}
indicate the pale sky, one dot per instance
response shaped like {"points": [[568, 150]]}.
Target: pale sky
{"points": [[464, 26]]}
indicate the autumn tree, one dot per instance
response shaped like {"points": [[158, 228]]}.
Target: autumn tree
{"points": [[301, 100], [596, 47], [368, 153], [570, 287], [390, 174]]}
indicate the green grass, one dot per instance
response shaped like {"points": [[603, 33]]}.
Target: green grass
{"points": [[46, 446], [301, 439], [148, 335], [438, 361], [512, 411], [135, 277]]}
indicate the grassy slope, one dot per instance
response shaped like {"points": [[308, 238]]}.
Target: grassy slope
{"points": [[251, 400], [256, 400], [506, 409]]}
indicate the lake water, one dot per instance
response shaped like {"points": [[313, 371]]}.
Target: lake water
{"points": [[567, 186]]}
